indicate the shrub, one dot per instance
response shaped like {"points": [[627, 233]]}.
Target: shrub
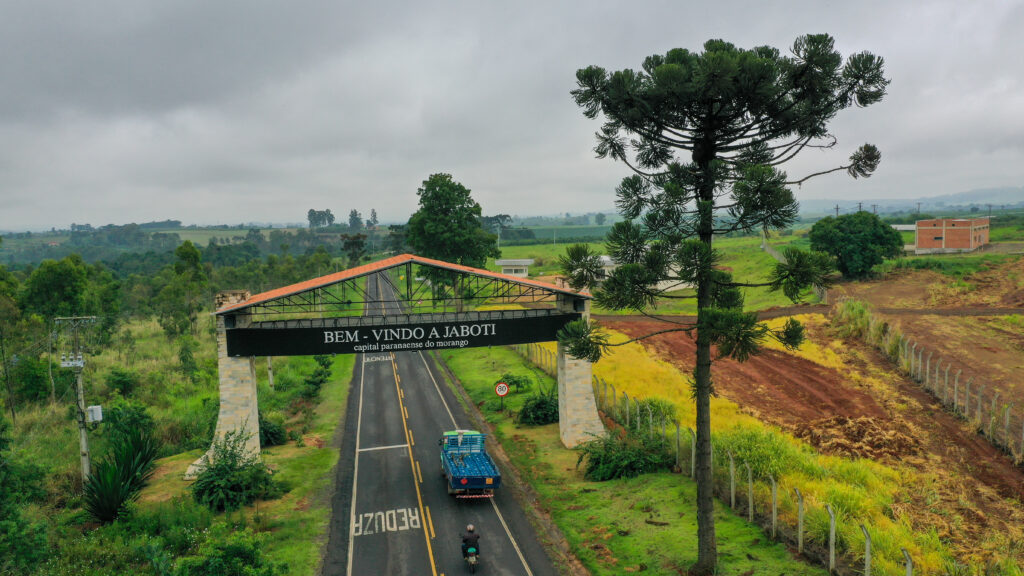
{"points": [[229, 553], [123, 417], [124, 381], [179, 524], [315, 381], [232, 477], [22, 543], [540, 409], [624, 456], [117, 479], [516, 382], [325, 361], [272, 432], [658, 407], [768, 452]]}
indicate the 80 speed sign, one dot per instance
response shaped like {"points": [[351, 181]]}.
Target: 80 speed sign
{"points": [[501, 389]]}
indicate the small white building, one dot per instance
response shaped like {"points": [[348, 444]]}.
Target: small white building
{"points": [[515, 267], [607, 265]]}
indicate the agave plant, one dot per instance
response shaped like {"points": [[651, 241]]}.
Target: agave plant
{"points": [[117, 479]]}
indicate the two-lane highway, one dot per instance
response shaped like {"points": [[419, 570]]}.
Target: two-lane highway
{"points": [[392, 514]]}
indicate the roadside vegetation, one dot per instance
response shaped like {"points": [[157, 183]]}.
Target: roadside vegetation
{"points": [[137, 514], [885, 495], [643, 524]]}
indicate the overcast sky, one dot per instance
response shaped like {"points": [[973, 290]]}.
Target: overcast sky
{"points": [[229, 112]]}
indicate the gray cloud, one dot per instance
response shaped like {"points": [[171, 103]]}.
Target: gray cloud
{"points": [[113, 112]]}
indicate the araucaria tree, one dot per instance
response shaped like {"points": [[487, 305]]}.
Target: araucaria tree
{"points": [[704, 134]]}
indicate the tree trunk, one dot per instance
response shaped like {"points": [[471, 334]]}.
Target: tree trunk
{"points": [[707, 546]]}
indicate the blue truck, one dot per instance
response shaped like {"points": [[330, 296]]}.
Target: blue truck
{"points": [[468, 468]]}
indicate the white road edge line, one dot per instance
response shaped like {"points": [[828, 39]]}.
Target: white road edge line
{"points": [[501, 518], [383, 447], [355, 471]]}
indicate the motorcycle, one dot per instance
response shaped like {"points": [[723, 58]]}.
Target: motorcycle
{"points": [[472, 558]]}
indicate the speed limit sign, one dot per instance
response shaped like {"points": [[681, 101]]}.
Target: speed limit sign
{"points": [[501, 389]]}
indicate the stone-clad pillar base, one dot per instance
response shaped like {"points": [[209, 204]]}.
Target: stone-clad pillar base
{"points": [[578, 420], [239, 410]]}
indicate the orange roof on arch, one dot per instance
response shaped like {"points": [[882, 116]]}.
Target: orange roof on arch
{"points": [[385, 264]]}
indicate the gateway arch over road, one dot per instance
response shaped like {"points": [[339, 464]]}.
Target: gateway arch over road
{"points": [[392, 306]]}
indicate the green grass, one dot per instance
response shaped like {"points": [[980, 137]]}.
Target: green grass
{"points": [[184, 412], [545, 256], [556, 233], [605, 523], [746, 261], [297, 523], [955, 265]]}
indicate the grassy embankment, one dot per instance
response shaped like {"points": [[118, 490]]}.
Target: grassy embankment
{"points": [[606, 523], [184, 411], [742, 257], [860, 490]]}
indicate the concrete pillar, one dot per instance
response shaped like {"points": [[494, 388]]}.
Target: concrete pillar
{"points": [[238, 402], [577, 411]]}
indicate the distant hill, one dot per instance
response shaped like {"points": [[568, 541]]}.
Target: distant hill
{"points": [[998, 197]]}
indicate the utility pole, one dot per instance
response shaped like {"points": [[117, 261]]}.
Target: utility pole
{"points": [[837, 210], [989, 210], [49, 365], [874, 208], [860, 206], [7, 376], [918, 208], [76, 361]]}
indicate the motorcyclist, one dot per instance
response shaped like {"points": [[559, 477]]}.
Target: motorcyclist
{"points": [[470, 539]]}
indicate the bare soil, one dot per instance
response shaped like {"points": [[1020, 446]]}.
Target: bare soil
{"points": [[900, 424]]}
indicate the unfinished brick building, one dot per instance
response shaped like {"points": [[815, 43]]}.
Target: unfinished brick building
{"points": [[942, 235]]}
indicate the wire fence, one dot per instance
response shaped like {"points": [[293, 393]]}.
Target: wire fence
{"points": [[983, 405], [764, 499]]}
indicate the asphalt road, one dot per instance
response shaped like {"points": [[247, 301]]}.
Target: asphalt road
{"points": [[392, 514]]}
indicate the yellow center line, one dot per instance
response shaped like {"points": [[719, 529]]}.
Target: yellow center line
{"points": [[411, 439], [412, 465], [430, 522], [419, 473]]}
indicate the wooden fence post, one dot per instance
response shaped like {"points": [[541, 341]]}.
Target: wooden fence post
{"points": [[992, 417], [967, 399], [626, 397], [732, 482], [928, 370], [913, 354], [981, 392], [775, 505], [831, 539], [693, 452], [1006, 426], [945, 389], [799, 521]]}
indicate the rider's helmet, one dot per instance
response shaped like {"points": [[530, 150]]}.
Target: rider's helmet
{"points": [[469, 528]]}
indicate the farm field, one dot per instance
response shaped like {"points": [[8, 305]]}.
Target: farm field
{"points": [[741, 256], [844, 399]]}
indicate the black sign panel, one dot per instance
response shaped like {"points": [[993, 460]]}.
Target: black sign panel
{"points": [[394, 338]]}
